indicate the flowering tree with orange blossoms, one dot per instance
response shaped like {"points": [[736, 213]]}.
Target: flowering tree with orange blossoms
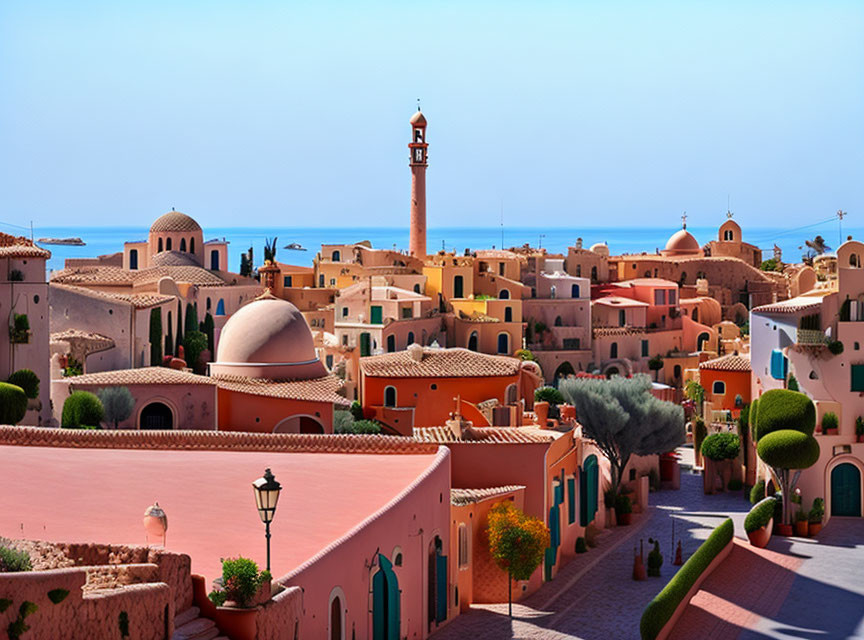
{"points": [[517, 543]]}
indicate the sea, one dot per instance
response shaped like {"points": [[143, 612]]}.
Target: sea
{"points": [[107, 240]]}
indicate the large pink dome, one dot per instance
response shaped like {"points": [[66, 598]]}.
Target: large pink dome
{"points": [[267, 338], [682, 242]]}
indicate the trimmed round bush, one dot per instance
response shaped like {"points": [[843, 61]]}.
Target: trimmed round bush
{"points": [[788, 449], [757, 493], [783, 409], [13, 403], [721, 446], [27, 380], [82, 409], [760, 515], [548, 394]]}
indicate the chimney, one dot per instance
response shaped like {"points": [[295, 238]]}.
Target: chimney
{"points": [[415, 352]]}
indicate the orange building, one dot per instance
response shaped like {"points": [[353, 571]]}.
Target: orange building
{"points": [[726, 382], [419, 387]]}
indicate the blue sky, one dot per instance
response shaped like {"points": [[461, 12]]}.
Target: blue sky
{"points": [[571, 113]]}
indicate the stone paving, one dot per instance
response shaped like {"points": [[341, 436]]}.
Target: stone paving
{"points": [[596, 597]]}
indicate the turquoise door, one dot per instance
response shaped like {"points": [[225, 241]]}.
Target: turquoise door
{"points": [[589, 481], [846, 490], [385, 602], [377, 315], [441, 587]]}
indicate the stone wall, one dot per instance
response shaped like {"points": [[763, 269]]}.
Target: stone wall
{"points": [[278, 618]]}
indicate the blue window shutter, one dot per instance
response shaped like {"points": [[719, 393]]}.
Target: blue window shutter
{"points": [[441, 585], [779, 365], [571, 500], [857, 377], [554, 526]]}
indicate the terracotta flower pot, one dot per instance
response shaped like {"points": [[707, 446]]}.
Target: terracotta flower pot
{"points": [[785, 530], [624, 518], [610, 518], [542, 410], [760, 537], [802, 528], [830, 432], [568, 412], [815, 528], [859, 438]]}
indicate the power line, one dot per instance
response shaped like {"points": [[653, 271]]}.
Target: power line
{"points": [[17, 226]]}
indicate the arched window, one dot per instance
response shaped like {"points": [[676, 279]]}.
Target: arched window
{"points": [[504, 294], [508, 314], [701, 340], [553, 291], [336, 619], [558, 321], [472, 341], [191, 245], [593, 274], [574, 291], [504, 343], [416, 288], [167, 244], [718, 388], [183, 245], [458, 286], [410, 339], [613, 350], [209, 304], [391, 343], [160, 246], [214, 260], [390, 396], [578, 270], [728, 236], [854, 260], [220, 307], [133, 259], [337, 257]]}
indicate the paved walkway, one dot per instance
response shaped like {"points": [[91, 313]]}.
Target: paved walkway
{"points": [[595, 597]]}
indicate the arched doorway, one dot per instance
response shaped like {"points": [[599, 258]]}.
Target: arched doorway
{"points": [[504, 343], [503, 294], [701, 340], [299, 424], [436, 584], [385, 602], [564, 369], [472, 341], [337, 628], [156, 415], [612, 371], [183, 245], [390, 396], [846, 490]]}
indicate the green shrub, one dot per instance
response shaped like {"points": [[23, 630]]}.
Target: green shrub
{"points": [[623, 504], [757, 493], [548, 394], [155, 337], [13, 560], [13, 403], [788, 449], [82, 409], [73, 368], [835, 347], [241, 579], [194, 344], [721, 446], [581, 547], [784, 409], [792, 385], [118, 403], [735, 485], [357, 410], [217, 597], [660, 609], [19, 332], [699, 433], [365, 427], [830, 421], [524, 354], [817, 512], [655, 559], [58, 595], [751, 416], [5, 603], [27, 380], [342, 421], [760, 514]]}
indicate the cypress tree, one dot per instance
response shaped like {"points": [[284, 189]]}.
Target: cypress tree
{"points": [[191, 323], [156, 336], [179, 341], [208, 328]]}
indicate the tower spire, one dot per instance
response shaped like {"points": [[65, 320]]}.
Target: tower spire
{"points": [[418, 163]]}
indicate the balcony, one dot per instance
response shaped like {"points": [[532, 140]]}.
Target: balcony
{"points": [[810, 337]]}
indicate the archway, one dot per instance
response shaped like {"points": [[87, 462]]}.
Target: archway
{"points": [[846, 490], [156, 415], [299, 424], [390, 396], [564, 369], [503, 294], [385, 602], [701, 340], [504, 343], [612, 371], [183, 245], [472, 341], [436, 583], [337, 615]]}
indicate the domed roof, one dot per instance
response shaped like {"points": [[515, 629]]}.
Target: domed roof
{"points": [[418, 119], [600, 249], [267, 338], [682, 241], [174, 259], [174, 221]]}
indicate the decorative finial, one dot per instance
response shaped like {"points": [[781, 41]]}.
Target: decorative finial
{"points": [[729, 214], [418, 104], [684, 220]]}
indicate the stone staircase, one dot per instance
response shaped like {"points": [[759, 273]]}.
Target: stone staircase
{"points": [[189, 625]]}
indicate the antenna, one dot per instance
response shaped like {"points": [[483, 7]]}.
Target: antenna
{"points": [[418, 104], [840, 215], [684, 220], [729, 213]]}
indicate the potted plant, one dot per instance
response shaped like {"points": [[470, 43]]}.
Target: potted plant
{"points": [[859, 429], [759, 521], [623, 509], [244, 585], [609, 501], [830, 424], [802, 524], [655, 559], [816, 515]]}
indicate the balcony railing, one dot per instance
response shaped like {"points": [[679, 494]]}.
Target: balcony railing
{"points": [[810, 337]]}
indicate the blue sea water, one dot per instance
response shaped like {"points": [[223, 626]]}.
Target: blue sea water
{"points": [[106, 240]]}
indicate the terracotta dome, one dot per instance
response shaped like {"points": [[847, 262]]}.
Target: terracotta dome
{"points": [[600, 249], [418, 118], [682, 242], [267, 338], [174, 221], [174, 259]]}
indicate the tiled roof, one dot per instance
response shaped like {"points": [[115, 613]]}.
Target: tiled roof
{"points": [[460, 497], [791, 306], [190, 274], [144, 375], [78, 334], [20, 247], [174, 221], [174, 259], [484, 435], [323, 389], [138, 300], [93, 275], [727, 363], [439, 363], [119, 276], [477, 316]]}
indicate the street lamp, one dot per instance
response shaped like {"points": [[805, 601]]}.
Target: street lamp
{"points": [[266, 496]]}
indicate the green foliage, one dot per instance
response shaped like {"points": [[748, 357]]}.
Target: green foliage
{"points": [[660, 609], [788, 449], [14, 560], [342, 421], [5, 603], [19, 332], [357, 410], [190, 322], [194, 345], [217, 597], [208, 328], [13, 403], [835, 347], [525, 354], [179, 339], [27, 380], [241, 580], [82, 409], [655, 363], [169, 342], [123, 624], [73, 368], [792, 384], [700, 432], [721, 446], [771, 264], [270, 250], [363, 427], [757, 493], [623, 504], [581, 547], [760, 515], [58, 595], [817, 512], [117, 402], [784, 409], [156, 336], [548, 394], [655, 559], [517, 541], [695, 392], [752, 415], [18, 627], [830, 421], [735, 485], [859, 426]]}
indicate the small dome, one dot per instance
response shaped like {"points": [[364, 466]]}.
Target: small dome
{"points": [[600, 249], [418, 119], [174, 259], [174, 221], [267, 338], [682, 241], [730, 231]]}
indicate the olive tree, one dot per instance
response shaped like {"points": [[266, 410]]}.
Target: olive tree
{"points": [[624, 418], [783, 427], [118, 404]]}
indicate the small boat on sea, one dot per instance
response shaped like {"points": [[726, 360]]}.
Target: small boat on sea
{"points": [[294, 246], [75, 242]]}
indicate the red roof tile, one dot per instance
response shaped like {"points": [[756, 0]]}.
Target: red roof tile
{"points": [[727, 363], [439, 363]]}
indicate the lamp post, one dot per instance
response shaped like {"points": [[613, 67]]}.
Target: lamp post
{"points": [[266, 496]]}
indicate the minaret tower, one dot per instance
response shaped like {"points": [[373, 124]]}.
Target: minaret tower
{"points": [[417, 162]]}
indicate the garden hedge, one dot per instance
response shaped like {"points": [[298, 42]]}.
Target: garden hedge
{"points": [[783, 409], [13, 403], [82, 409], [757, 492], [721, 446], [760, 514], [660, 610], [788, 449], [27, 380], [548, 394]]}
